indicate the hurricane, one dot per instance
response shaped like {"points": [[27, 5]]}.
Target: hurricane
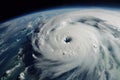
{"points": [[83, 45], [62, 44]]}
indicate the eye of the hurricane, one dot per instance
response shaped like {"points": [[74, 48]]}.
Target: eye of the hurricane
{"points": [[68, 39]]}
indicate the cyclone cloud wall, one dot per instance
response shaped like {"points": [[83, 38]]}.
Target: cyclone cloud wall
{"points": [[79, 45]]}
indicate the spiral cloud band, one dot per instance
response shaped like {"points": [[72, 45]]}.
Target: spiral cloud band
{"points": [[79, 45]]}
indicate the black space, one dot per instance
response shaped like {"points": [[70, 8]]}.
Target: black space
{"points": [[10, 9]]}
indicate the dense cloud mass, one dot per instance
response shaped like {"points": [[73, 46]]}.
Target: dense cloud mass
{"points": [[79, 45]]}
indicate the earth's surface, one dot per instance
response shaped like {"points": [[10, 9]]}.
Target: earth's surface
{"points": [[62, 44]]}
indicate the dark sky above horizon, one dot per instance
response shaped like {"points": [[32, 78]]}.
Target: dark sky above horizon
{"points": [[10, 9]]}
